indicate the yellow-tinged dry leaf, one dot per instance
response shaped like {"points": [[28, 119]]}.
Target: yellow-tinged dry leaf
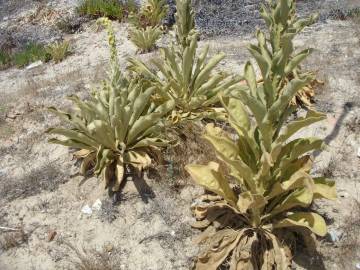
{"points": [[223, 244], [298, 198], [139, 159], [88, 161], [119, 174], [249, 201], [81, 153], [210, 177], [297, 180], [310, 220], [222, 143], [324, 189]]}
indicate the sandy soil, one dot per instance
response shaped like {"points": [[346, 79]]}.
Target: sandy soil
{"points": [[148, 226]]}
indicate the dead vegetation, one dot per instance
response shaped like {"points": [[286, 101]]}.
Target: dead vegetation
{"points": [[12, 237], [190, 147], [92, 259]]}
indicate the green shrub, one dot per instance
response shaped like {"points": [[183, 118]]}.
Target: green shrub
{"points": [[5, 60], [118, 128], [113, 9], [31, 53]]}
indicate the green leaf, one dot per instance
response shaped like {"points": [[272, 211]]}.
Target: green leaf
{"points": [[324, 188], [250, 77], [299, 198], [296, 125], [310, 220], [296, 60]]}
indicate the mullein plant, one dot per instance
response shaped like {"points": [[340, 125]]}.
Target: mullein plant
{"points": [[276, 50], [118, 128], [146, 28], [183, 76], [261, 190], [151, 14], [145, 39]]}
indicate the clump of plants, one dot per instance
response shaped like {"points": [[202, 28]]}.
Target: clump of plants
{"points": [[151, 14], [112, 9], [145, 39], [5, 60], [118, 129], [276, 48], [146, 26], [31, 53], [58, 51], [184, 77], [261, 190]]}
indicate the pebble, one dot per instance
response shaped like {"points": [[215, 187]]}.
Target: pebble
{"points": [[97, 205], [86, 210], [335, 235], [34, 65]]}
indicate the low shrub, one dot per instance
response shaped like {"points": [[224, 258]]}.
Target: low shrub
{"points": [[5, 60], [31, 53], [112, 9]]}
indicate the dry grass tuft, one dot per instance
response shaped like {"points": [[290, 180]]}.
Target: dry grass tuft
{"points": [[91, 259]]}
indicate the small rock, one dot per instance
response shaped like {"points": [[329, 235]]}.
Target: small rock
{"points": [[34, 65], [358, 152], [97, 205], [357, 266], [334, 235], [172, 233], [86, 210], [51, 235]]}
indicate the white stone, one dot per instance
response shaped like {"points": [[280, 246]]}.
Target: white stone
{"points": [[86, 210], [34, 65], [97, 205]]}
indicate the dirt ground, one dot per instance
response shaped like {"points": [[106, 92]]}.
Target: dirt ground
{"points": [[148, 226]]}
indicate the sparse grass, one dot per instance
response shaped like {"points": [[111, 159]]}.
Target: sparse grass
{"points": [[32, 52], [109, 211], [113, 9], [5, 60], [91, 259], [58, 51]]}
